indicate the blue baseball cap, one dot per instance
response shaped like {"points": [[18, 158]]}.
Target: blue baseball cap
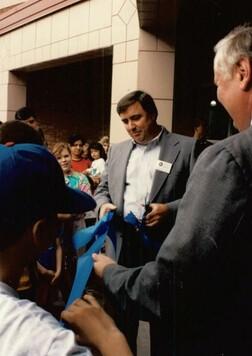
{"points": [[32, 186]]}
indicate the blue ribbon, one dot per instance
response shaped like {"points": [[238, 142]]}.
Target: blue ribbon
{"points": [[131, 219], [98, 232], [81, 238]]}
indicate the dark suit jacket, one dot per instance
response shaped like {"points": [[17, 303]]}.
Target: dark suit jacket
{"points": [[166, 188], [201, 281]]}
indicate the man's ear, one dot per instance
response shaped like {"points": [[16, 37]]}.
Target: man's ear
{"points": [[245, 73], [41, 234]]}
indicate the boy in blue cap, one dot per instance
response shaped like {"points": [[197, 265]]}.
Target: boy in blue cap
{"points": [[28, 224]]}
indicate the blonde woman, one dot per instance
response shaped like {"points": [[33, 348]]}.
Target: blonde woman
{"points": [[76, 180]]}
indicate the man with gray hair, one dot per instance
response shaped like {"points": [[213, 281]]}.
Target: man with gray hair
{"points": [[201, 281]]}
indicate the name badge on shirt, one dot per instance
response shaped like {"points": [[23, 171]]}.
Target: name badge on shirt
{"points": [[163, 166]]}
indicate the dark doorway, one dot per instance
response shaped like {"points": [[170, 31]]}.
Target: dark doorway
{"points": [[200, 24], [72, 98]]}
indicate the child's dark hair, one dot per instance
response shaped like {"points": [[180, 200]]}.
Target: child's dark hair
{"points": [[75, 137], [97, 146]]}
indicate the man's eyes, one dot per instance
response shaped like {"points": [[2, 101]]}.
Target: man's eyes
{"points": [[136, 118], [133, 118]]}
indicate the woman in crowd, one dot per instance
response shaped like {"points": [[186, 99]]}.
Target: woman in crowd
{"points": [[62, 152]]}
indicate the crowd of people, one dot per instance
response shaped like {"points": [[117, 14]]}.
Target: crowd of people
{"points": [[49, 281], [181, 228]]}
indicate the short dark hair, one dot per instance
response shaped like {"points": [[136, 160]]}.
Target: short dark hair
{"points": [[97, 146], [19, 132], [140, 96], [75, 137], [24, 113]]}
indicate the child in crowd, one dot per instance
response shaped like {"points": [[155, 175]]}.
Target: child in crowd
{"points": [[79, 163], [85, 153], [98, 156], [28, 225], [105, 143]]}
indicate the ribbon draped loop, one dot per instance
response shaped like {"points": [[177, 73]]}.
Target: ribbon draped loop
{"points": [[81, 238], [98, 233]]}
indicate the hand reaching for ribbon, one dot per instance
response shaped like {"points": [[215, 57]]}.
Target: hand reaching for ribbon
{"points": [[94, 327], [105, 208], [100, 263]]}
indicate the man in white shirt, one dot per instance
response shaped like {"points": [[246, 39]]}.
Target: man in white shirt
{"points": [[145, 175]]}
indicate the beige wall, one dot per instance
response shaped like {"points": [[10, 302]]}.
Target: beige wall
{"points": [[140, 60], [145, 63], [156, 74], [10, 3]]}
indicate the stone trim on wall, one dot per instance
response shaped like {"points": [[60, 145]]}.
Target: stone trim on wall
{"points": [[40, 34], [30, 11]]}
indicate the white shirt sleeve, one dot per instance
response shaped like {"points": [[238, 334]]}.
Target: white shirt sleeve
{"points": [[28, 330]]}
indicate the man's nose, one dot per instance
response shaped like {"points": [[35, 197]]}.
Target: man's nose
{"points": [[131, 125]]}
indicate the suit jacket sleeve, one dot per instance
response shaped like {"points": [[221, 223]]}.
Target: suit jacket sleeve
{"points": [[102, 191], [209, 212]]}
